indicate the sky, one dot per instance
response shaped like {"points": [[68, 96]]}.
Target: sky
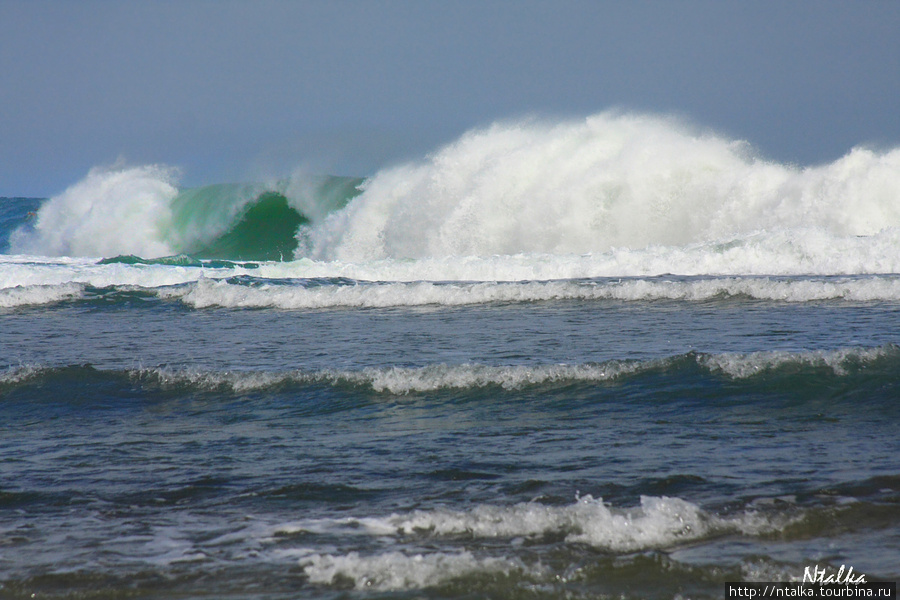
{"points": [[230, 90]]}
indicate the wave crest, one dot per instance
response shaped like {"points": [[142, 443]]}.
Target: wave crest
{"points": [[609, 181], [395, 380]]}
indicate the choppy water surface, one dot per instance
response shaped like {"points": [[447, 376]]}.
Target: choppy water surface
{"points": [[536, 364]]}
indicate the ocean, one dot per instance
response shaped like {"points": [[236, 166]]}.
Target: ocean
{"points": [[615, 357]]}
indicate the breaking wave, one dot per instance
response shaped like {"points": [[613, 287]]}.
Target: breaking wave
{"points": [[658, 523], [635, 194], [609, 181], [777, 368], [240, 285], [238, 293], [140, 211]]}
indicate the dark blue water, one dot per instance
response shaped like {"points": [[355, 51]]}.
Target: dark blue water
{"points": [[541, 450]]}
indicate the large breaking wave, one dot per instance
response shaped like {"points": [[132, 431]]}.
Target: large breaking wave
{"points": [[610, 181], [139, 211]]}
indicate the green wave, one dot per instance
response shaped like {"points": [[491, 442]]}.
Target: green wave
{"points": [[239, 222], [266, 231], [223, 221]]}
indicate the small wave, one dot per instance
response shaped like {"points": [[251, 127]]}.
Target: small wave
{"points": [[840, 362], [36, 295], [392, 380], [872, 362], [405, 380], [659, 522]]}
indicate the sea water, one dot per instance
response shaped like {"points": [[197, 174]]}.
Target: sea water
{"points": [[614, 357]]}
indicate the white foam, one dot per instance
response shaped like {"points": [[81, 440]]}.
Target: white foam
{"points": [[29, 271], [657, 523], [237, 381], [417, 549], [405, 283], [399, 571], [21, 373], [607, 181], [799, 251], [112, 211], [405, 380], [34, 295], [209, 292], [741, 366], [609, 195]]}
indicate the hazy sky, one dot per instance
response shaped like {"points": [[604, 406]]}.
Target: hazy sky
{"points": [[229, 90]]}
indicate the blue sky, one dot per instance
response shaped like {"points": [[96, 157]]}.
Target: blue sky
{"points": [[230, 90]]}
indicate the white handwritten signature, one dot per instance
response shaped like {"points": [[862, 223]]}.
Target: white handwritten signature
{"points": [[843, 576]]}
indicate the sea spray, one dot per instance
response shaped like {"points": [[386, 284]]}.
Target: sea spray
{"points": [[113, 210], [609, 181]]}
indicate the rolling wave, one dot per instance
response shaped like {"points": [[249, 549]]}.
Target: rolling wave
{"points": [[646, 193], [228, 284], [139, 211], [265, 230], [241, 293], [778, 369]]}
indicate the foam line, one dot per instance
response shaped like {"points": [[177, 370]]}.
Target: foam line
{"points": [[224, 293]]}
